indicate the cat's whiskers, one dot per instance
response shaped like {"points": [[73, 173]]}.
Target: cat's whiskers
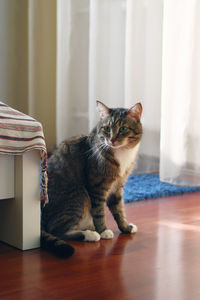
{"points": [[96, 151]]}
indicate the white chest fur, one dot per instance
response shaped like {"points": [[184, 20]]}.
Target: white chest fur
{"points": [[126, 158]]}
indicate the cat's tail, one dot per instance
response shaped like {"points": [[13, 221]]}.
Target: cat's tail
{"points": [[55, 245]]}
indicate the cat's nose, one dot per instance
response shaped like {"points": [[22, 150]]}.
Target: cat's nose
{"points": [[112, 140]]}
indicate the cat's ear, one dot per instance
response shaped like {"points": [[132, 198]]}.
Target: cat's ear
{"points": [[102, 109], [135, 111]]}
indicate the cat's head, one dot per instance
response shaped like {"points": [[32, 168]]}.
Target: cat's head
{"points": [[119, 127]]}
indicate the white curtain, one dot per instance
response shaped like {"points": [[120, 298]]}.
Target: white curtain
{"points": [[60, 56], [180, 117]]}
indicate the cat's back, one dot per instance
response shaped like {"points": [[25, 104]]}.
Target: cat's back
{"points": [[69, 157]]}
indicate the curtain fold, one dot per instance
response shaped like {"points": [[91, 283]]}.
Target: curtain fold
{"points": [[180, 135], [41, 65], [72, 68], [63, 59], [143, 64], [60, 56], [28, 61], [106, 55]]}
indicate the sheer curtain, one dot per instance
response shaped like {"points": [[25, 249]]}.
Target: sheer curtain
{"points": [[60, 56], [180, 117]]}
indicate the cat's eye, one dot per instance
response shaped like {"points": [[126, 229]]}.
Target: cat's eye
{"points": [[123, 129], [106, 129]]}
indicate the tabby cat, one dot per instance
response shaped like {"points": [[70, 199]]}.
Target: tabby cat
{"points": [[85, 173]]}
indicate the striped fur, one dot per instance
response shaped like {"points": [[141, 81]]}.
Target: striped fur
{"points": [[87, 172]]}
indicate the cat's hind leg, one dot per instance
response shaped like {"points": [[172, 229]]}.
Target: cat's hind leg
{"points": [[66, 215], [84, 230], [82, 235]]}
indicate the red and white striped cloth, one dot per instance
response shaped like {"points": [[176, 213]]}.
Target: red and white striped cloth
{"points": [[20, 133]]}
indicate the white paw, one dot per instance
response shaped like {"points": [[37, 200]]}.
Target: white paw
{"points": [[107, 234], [134, 228], [91, 236]]}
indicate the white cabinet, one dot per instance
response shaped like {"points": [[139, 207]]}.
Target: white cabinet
{"points": [[6, 176], [20, 216]]}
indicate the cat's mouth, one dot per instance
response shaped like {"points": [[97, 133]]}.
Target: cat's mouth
{"points": [[114, 145]]}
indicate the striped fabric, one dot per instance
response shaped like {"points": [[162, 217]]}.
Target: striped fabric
{"points": [[20, 133]]}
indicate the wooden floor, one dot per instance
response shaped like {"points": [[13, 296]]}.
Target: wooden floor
{"points": [[161, 261]]}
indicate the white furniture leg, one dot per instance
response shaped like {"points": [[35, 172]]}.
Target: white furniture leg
{"points": [[20, 217]]}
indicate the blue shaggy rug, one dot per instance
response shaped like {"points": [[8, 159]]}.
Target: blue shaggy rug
{"points": [[147, 186]]}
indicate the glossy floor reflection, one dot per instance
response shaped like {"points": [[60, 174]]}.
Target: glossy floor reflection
{"points": [[160, 262]]}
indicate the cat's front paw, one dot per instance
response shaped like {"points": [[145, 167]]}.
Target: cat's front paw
{"points": [[129, 228], [91, 236], [107, 234], [132, 228]]}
